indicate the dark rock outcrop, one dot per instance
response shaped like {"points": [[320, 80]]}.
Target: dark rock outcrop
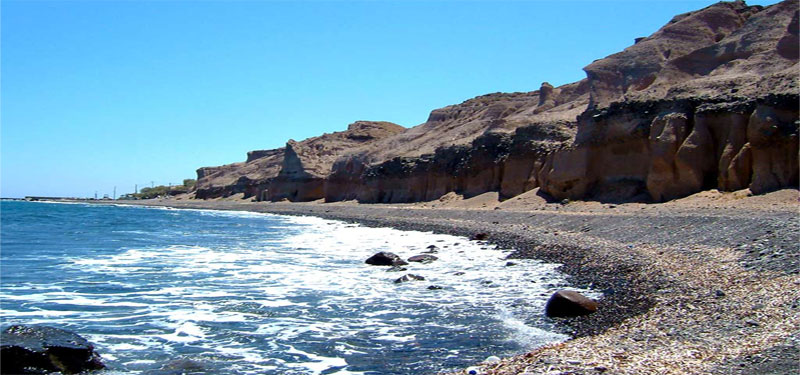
{"points": [[568, 303], [385, 258], [40, 349]]}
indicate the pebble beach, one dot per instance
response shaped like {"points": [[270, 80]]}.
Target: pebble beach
{"points": [[704, 285]]}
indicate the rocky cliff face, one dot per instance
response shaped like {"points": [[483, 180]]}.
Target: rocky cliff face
{"points": [[307, 164], [248, 177], [722, 114], [296, 172], [489, 143], [708, 101]]}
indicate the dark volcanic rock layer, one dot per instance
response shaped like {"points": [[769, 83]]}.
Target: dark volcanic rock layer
{"points": [[708, 101]]}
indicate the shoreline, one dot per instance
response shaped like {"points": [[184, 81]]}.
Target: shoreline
{"points": [[679, 283]]}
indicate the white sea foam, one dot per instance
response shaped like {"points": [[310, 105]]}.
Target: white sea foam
{"points": [[268, 300]]}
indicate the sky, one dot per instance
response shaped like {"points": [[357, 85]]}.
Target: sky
{"points": [[102, 94]]}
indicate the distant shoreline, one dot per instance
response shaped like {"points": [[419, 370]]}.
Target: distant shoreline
{"points": [[662, 268]]}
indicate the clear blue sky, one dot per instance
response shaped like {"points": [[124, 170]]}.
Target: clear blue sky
{"points": [[100, 94]]}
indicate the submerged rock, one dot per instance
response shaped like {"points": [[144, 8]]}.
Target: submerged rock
{"points": [[397, 269], [424, 258], [41, 349], [409, 277], [385, 258], [568, 303]]}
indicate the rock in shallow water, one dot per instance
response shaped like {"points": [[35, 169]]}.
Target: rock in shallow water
{"points": [[409, 277], [385, 258], [568, 303], [41, 349], [424, 258]]}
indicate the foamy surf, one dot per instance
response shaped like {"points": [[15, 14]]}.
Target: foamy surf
{"points": [[245, 293]]}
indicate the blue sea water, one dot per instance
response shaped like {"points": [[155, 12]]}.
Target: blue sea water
{"points": [[243, 293]]}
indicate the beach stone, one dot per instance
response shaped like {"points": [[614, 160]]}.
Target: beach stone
{"points": [[424, 258], [432, 249], [42, 349], [409, 277], [385, 258], [479, 236], [568, 303]]}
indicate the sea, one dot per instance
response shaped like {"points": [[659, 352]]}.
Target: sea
{"points": [[171, 291]]}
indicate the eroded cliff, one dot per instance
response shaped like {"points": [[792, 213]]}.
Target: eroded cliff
{"points": [[708, 101], [248, 177]]}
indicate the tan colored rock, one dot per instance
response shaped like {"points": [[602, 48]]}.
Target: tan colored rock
{"points": [[546, 98], [772, 134], [226, 180], [307, 164], [710, 100], [667, 133]]}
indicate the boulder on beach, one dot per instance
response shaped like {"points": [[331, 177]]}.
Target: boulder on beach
{"points": [[424, 258], [385, 258], [479, 236], [41, 349], [568, 303], [409, 277]]}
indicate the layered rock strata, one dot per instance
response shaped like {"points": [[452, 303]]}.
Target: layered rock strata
{"points": [[307, 164], [295, 172], [249, 177], [708, 101]]}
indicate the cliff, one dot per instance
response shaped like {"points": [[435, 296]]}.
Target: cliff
{"points": [[248, 177], [296, 172], [666, 121], [307, 164], [710, 100]]}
